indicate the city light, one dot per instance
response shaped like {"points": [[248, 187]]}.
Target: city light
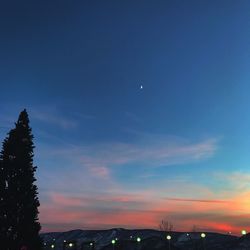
{"points": [[203, 235], [168, 237], [71, 244], [243, 232], [113, 242], [138, 239]]}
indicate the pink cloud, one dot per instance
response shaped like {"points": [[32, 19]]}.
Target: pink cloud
{"points": [[99, 200], [197, 200], [100, 172], [109, 210], [63, 200]]}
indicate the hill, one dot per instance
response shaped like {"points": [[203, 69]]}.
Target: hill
{"points": [[150, 239]]}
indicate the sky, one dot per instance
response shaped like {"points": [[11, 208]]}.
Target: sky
{"points": [[110, 153]]}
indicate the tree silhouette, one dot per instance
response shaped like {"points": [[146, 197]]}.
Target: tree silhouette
{"points": [[3, 204], [166, 226], [19, 210]]}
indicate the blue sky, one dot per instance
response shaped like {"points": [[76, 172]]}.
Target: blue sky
{"points": [[78, 66]]}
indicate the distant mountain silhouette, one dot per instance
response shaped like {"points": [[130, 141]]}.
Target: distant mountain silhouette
{"points": [[150, 239]]}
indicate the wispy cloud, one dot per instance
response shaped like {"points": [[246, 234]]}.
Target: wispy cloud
{"points": [[112, 207], [100, 171], [152, 154], [95, 196], [142, 210], [236, 180], [54, 119], [197, 200]]}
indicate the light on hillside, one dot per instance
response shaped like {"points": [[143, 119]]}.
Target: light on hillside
{"points": [[243, 232], [203, 235]]}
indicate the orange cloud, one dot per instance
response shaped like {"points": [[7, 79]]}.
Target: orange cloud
{"points": [[135, 211], [192, 204]]}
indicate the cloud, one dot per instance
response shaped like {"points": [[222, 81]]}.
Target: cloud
{"points": [[141, 210], [152, 153], [239, 181], [101, 171], [54, 118], [100, 208], [92, 196], [197, 200], [100, 211], [87, 168]]}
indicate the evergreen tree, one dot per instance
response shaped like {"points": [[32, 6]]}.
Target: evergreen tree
{"points": [[3, 216], [21, 192]]}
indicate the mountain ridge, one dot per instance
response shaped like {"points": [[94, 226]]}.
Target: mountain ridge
{"points": [[150, 239]]}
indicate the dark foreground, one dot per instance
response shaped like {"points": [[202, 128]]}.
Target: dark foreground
{"points": [[150, 239]]}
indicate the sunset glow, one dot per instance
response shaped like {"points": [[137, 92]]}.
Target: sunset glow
{"points": [[140, 111]]}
